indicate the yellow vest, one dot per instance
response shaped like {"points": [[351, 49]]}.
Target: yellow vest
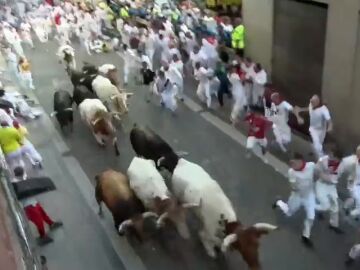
{"points": [[124, 13], [10, 140], [238, 37]]}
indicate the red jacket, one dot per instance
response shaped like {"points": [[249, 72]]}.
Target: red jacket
{"points": [[258, 125], [57, 19]]}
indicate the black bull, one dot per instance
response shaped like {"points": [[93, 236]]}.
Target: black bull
{"points": [[63, 108], [147, 144]]}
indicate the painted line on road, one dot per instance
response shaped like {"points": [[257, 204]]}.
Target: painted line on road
{"points": [[192, 105], [237, 136]]}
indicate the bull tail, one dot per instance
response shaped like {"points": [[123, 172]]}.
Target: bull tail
{"points": [[116, 148], [98, 193]]}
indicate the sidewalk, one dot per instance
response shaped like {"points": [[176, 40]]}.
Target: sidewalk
{"points": [[85, 241]]}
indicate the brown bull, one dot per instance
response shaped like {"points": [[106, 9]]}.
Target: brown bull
{"points": [[113, 189]]}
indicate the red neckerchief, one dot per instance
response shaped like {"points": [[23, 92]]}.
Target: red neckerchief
{"points": [[333, 165], [302, 166]]}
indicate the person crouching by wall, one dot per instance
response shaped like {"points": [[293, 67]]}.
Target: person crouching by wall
{"points": [[11, 145], [28, 148], [36, 213]]}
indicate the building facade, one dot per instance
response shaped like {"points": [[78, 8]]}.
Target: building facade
{"points": [[311, 47]]}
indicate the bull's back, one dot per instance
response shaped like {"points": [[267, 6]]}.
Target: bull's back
{"points": [[148, 144], [62, 100], [114, 187], [145, 180]]}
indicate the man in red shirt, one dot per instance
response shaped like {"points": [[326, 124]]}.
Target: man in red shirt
{"points": [[258, 125]]}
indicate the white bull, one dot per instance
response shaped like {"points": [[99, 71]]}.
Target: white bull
{"points": [[192, 185], [150, 188], [98, 119], [110, 95]]}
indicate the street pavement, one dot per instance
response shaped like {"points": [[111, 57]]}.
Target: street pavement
{"points": [[250, 184]]}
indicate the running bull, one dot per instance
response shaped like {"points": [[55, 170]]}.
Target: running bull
{"points": [[63, 110], [191, 184], [108, 93], [113, 189], [98, 119], [150, 188]]}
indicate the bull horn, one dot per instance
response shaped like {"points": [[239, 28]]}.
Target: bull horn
{"points": [[160, 222], [181, 153], [53, 114], [95, 121], [69, 109], [149, 215], [265, 227], [190, 205], [125, 224], [129, 94], [228, 241], [158, 162]]}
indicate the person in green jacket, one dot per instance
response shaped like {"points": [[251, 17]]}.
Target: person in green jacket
{"points": [[238, 38]]}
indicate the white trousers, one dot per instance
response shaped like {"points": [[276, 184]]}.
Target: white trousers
{"points": [[42, 34], [257, 94], [28, 41], [355, 195], [15, 159], [169, 100], [18, 48], [13, 68], [355, 252], [239, 105], [317, 137], [282, 135], [327, 197], [27, 80], [29, 151], [293, 205], [203, 92]]}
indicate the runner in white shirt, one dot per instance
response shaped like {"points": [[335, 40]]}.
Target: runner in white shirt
{"points": [[279, 115], [238, 94], [131, 62], [202, 75], [248, 67], [177, 70], [258, 79], [351, 167], [320, 123], [196, 56], [301, 178], [25, 29], [326, 191]]}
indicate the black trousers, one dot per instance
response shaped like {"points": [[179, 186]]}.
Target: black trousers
{"points": [[220, 95]]}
